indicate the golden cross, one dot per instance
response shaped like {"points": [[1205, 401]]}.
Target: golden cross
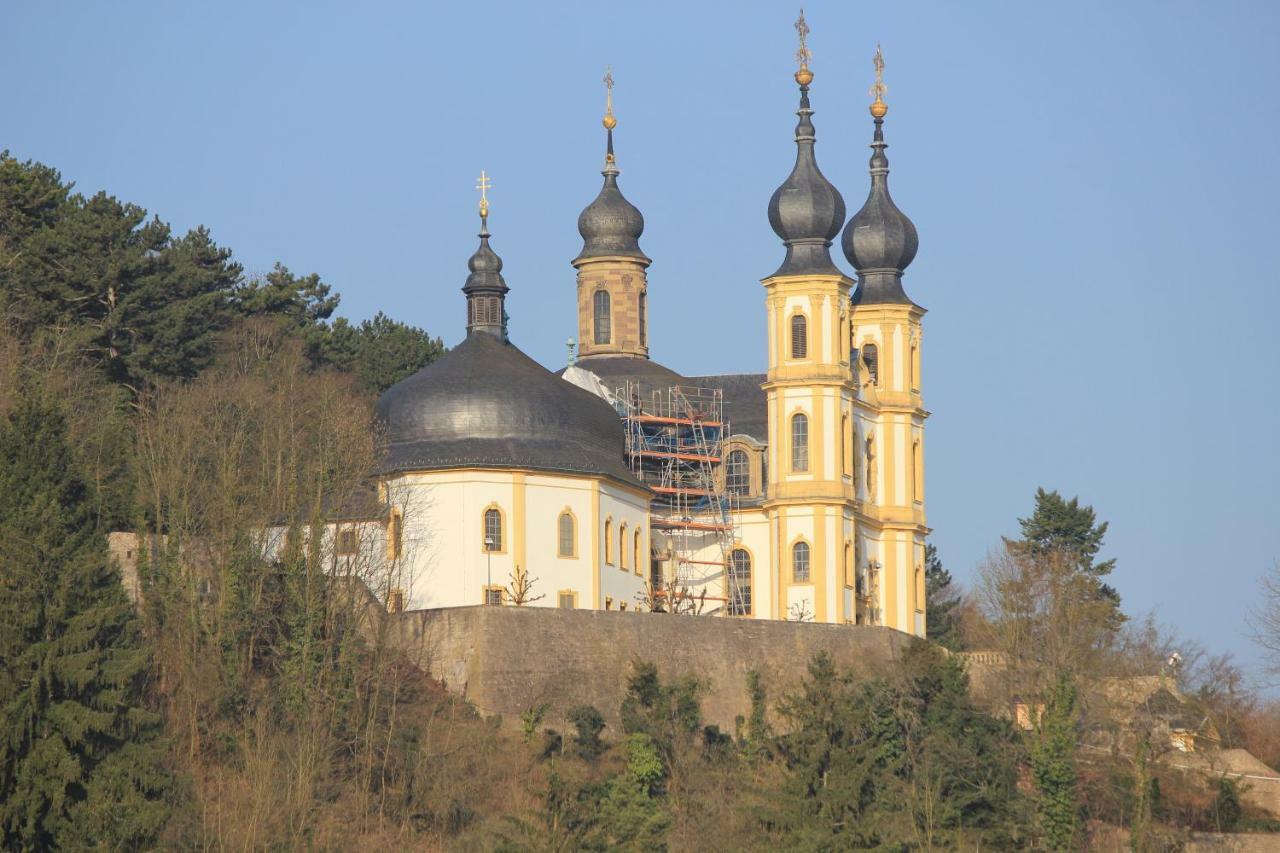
{"points": [[608, 85], [484, 186], [878, 88], [803, 55]]}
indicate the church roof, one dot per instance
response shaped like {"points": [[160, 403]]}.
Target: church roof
{"points": [[615, 371], [746, 406], [488, 405]]}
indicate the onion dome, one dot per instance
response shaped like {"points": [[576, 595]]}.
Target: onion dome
{"points": [[880, 241], [485, 404], [485, 288], [807, 210], [610, 225]]}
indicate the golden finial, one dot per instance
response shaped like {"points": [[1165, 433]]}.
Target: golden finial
{"points": [[878, 88], [484, 185], [609, 121], [803, 76]]}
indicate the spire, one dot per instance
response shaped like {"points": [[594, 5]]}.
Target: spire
{"points": [[610, 225], [806, 211], [880, 241], [485, 288]]}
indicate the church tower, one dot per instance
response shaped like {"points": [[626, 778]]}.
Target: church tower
{"points": [[810, 498], [613, 299], [880, 242]]}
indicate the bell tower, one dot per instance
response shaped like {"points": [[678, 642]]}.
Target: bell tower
{"points": [[613, 286], [880, 242], [810, 390]]}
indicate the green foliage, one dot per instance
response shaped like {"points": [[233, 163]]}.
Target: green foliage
{"points": [[80, 760], [1226, 811], [380, 351], [881, 760], [588, 723], [1064, 526], [531, 719], [758, 732], [1054, 770], [305, 302], [668, 713], [943, 601]]}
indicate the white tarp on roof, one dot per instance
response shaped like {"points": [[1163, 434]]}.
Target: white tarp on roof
{"points": [[588, 381]]}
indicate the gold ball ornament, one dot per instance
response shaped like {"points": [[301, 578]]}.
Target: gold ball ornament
{"points": [[804, 76], [879, 108], [609, 122]]}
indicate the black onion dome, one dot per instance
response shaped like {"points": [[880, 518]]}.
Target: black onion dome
{"points": [[486, 404], [880, 241], [807, 210], [610, 225], [485, 266]]}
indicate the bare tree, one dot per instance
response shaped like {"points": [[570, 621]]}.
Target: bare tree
{"points": [[520, 589]]}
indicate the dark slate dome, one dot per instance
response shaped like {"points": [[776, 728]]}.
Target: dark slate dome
{"points": [[486, 404], [807, 210], [880, 241], [610, 225]]}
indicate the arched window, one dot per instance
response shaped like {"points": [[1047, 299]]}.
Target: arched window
{"points": [[567, 536], [637, 564], [602, 316], [913, 364], [871, 358], [608, 541], [395, 535], [799, 336], [869, 469], [622, 546], [799, 442], [493, 530], [739, 583], [644, 325], [848, 564], [800, 562], [917, 471], [846, 447], [737, 473]]}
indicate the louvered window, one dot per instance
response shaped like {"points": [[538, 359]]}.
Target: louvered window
{"points": [[871, 358], [799, 336]]}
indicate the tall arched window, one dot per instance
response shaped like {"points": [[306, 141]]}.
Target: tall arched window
{"points": [[871, 358], [799, 442], [644, 325], [737, 473], [739, 591], [608, 541], [622, 546], [800, 562], [846, 447], [799, 336], [848, 564], [913, 364], [602, 316], [493, 530], [637, 564], [917, 471], [567, 536]]}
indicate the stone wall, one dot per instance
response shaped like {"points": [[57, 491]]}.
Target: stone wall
{"points": [[507, 659]]}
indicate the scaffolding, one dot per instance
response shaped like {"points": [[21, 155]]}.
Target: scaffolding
{"points": [[674, 445]]}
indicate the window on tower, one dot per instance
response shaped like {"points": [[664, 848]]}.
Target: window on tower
{"points": [[800, 562], [644, 331], [799, 336], [603, 317], [799, 442], [871, 358]]}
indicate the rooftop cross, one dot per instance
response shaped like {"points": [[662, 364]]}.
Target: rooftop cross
{"points": [[484, 185], [803, 55], [878, 88]]}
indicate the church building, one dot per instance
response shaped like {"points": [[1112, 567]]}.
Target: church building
{"points": [[620, 484]]}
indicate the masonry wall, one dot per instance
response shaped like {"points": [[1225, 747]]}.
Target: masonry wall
{"points": [[507, 659]]}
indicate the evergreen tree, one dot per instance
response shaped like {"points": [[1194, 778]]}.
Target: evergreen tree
{"points": [[943, 601], [80, 762], [1053, 766], [1065, 527], [380, 351], [304, 301]]}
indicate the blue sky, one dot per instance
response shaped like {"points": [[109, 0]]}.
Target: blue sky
{"points": [[1094, 183]]}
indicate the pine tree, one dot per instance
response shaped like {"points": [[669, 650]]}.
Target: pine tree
{"points": [[1064, 527], [80, 762], [943, 601]]}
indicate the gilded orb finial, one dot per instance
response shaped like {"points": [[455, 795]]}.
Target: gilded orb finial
{"points": [[484, 184], [609, 121], [803, 75], [878, 88]]}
